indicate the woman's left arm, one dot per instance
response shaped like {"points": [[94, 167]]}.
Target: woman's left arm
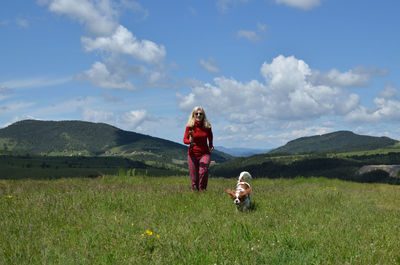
{"points": [[210, 140]]}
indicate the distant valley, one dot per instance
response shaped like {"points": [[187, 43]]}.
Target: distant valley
{"points": [[241, 152]]}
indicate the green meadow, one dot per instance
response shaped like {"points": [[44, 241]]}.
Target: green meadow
{"points": [[159, 220]]}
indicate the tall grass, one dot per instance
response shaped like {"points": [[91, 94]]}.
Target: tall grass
{"points": [[146, 220]]}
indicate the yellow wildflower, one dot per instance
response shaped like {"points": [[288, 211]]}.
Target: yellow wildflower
{"points": [[148, 232], [9, 196], [142, 235], [158, 236]]}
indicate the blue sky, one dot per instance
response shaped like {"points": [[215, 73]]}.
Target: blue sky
{"points": [[265, 71]]}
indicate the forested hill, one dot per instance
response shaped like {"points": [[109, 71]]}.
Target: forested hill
{"points": [[340, 141], [87, 138]]}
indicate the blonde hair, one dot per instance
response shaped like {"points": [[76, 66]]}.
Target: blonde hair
{"points": [[192, 118]]}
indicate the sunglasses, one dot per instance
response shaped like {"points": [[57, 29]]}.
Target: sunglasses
{"points": [[198, 114]]}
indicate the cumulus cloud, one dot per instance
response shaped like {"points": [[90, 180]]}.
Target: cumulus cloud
{"points": [[301, 4], [356, 77], [115, 43], [287, 94], [99, 17], [209, 65], [122, 41], [99, 75], [389, 92], [130, 120], [134, 118], [386, 108]]}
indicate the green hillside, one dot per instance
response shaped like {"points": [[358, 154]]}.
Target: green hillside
{"points": [[341, 141], [87, 138], [336, 155]]}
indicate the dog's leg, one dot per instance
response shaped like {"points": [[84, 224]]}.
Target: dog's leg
{"points": [[247, 204]]}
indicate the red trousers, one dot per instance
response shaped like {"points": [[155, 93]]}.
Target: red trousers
{"points": [[198, 170]]}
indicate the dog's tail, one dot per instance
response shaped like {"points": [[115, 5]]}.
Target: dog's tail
{"points": [[244, 175]]}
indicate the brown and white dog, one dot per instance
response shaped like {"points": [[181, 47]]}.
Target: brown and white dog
{"points": [[241, 195]]}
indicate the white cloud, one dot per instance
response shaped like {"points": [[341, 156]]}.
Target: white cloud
{"points": [[261, 27], [301, 4], [156, 77], [384, 110], [99, 75], [253, 35], [389, 92], [135, 7], [224, 5], [234, 128], [134, 118], [111, 98], [4, 93], [98, 16], [122, 41], [309, 131], [34, 82], [68, 106], [116, 44], [15, 106], [97, 115], [284, 137], [356, 77], [286, 95], [209, 65], [248, 34]]}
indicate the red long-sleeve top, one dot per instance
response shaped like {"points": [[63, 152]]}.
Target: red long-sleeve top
{"points": [[200, 136]]}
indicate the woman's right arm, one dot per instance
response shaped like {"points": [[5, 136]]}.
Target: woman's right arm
{"points": [[186, 139]]}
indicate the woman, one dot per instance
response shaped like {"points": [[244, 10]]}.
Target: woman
{"points": [[198, 131]]}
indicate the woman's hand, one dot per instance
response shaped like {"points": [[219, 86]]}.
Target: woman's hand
{"points": [[191, 140]]}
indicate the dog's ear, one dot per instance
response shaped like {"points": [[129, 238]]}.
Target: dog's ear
{"points": [[246, 192], [230, 192]]}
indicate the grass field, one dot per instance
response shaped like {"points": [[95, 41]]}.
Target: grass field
{"points": [[146, 220]]}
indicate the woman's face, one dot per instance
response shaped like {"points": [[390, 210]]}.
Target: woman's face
{"points": [[199, 115]]}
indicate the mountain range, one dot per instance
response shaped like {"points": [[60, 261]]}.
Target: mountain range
{"points": [[88, 138], [340, 141], [78, 148]]}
